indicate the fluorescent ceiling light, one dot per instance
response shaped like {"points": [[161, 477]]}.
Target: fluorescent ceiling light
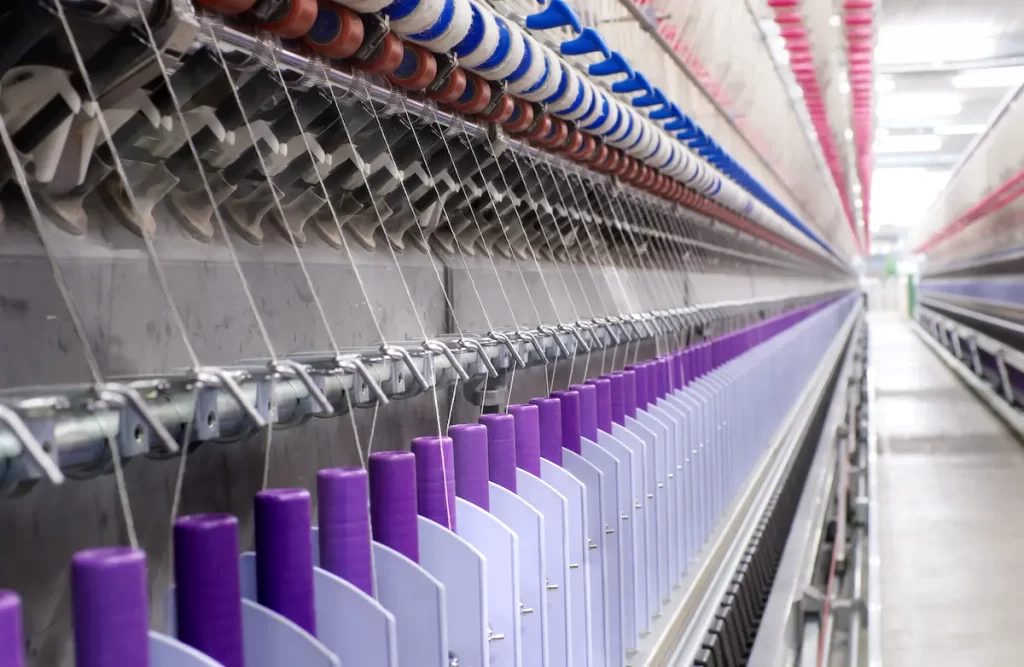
{"points": [[908, 143], [916, 106], [959, 130], [848, 134], [844, 87], [881, 132], [885, 84], [992, 77], [904, 44], [834, 21]]}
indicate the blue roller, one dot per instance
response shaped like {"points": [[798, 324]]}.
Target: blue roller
{"points": [[589, 41], [557, 14], [655, 98], [669, 110]]}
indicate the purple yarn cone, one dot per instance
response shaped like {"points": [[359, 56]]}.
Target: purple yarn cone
{"points": [[617, 382], [284, 555], [629, 392], [207, 591], [570, 419], [527, 420], [641, 385], [588, 410], [550, 417], [12, 638], [501, 449], [472, 469], [343, 505], [604, 403], [393, 502], [110, 607], [435, 479]]}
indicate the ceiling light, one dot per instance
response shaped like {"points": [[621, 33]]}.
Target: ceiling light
{"points": [[903, 106], [992, 77], [959, 130], [885, 84], [881, 132], [950, 42], [908, 143], [848, 134], [834, 21]]}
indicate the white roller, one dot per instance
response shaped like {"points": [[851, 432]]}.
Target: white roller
{"points": [[516, 49], [365, 6], [419, 19], [588, 97], [488, 43], [536, 70], [551, 83], [456, 31], [572, 89]]}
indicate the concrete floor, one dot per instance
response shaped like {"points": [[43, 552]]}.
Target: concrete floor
{"points": [[951, 485]]}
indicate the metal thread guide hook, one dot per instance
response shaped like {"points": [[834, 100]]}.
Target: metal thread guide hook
{"points": [[30, 445]]}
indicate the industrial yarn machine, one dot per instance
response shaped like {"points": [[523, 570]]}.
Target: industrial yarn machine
{"points": [[419, 333]]}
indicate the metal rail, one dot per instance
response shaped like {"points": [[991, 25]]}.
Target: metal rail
{"points": [[75, 427]]}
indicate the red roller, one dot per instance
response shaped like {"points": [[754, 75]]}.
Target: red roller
{"points": [[574, 143], [337, 31], [384, 59], [558, 135], [227, 7], [521, 118], [502, 111], [453, 90], [417, 69], [475, 97], [292, 19], [539, 130]]}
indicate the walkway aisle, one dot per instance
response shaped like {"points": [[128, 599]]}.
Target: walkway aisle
{"points": [[951, 485]]}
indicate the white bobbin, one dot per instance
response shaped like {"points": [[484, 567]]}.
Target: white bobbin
{"points": [[508, 64], [462, 19]]}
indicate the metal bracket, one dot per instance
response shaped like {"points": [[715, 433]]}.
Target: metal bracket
{"points": [[572, 329], [477, 346], [30, 445], [401, 354], [550, 331], [505, 340], [220, 378], [126, 396], [292, 368]]}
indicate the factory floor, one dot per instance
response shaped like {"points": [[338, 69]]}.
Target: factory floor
{"points": [[951, 486]]}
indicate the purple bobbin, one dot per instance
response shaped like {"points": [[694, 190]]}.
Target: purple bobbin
{"points": [[343, 504]]}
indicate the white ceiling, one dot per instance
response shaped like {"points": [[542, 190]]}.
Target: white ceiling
{"points": [[928, 112]]}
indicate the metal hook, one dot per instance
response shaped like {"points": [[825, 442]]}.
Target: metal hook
{"points": [[439, 347], [35, 450], [576, 334], [537, 347], [135, 402], [223, 379], [502, 338], [356, 365], [589, 328], [607, 324], [473, 344], [550, 331], [291, 367], [402, 354]]}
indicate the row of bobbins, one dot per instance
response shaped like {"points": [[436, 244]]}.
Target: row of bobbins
{"points": [[364, 42]]}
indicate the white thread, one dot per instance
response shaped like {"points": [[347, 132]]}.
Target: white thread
{"points": [[553, 80], [516, 51], [423, 16], [535, 70], [572, 89]]}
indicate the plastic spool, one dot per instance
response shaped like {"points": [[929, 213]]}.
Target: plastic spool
{"points": [[623, 125], [612, 117], [452, 90], [284, 555], [588, 410], [475, 97], [450, 29], [393, 502], [527, 432], [558, 136], [549, 417], [110, 608], [472, 470], [385, 59], [521, 118], [293, 20], [502, 111], [501, 449], [603, 403], [507, 57], [617, 384], [416, 70], [344, 518], [207, 591], [435, 479], [227, 7], [366, 6], [573, 144], [412, 16], [337, 33], [12, 638]]}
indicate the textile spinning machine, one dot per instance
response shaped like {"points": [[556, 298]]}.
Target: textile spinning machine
{"points": [[405, 333]]}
